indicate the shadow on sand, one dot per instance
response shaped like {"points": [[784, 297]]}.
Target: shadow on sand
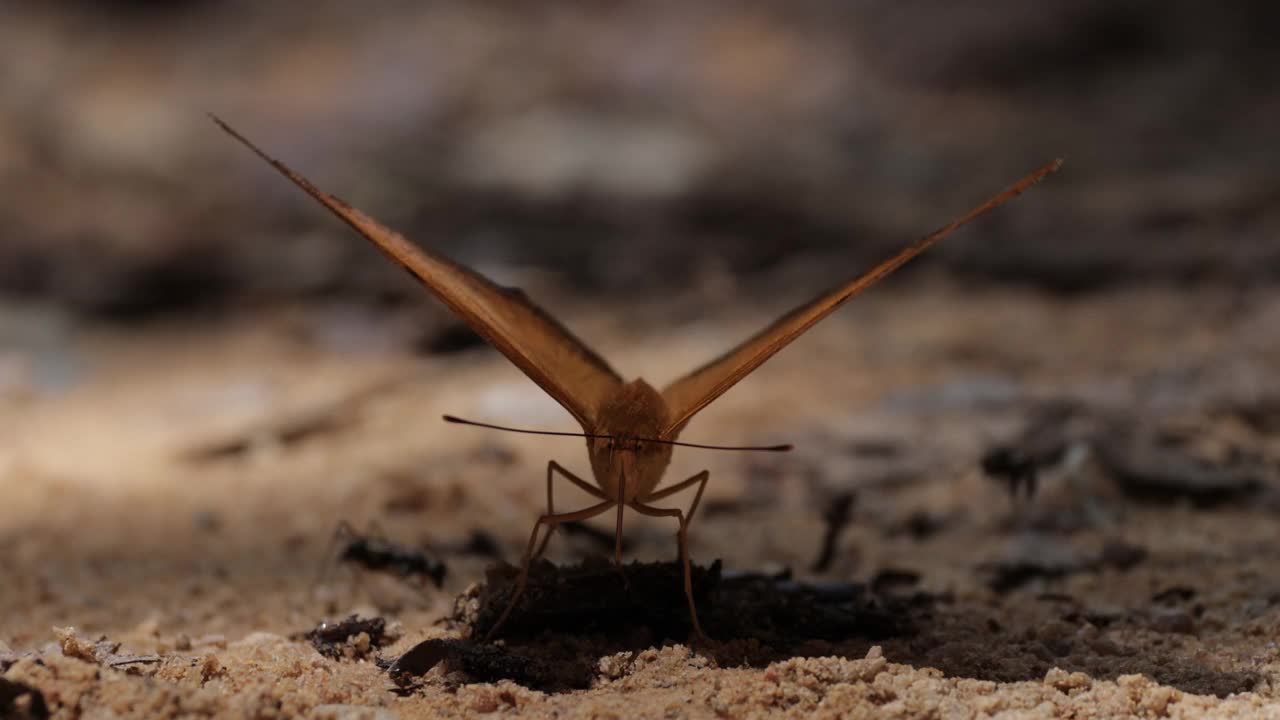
{"points": [[572, 616]]}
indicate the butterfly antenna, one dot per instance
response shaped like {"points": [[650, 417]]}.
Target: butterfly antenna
{"points": [[463, 421], [743, 448]]}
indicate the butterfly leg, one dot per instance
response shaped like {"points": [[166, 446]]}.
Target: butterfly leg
{"points": [[551, 521], [682, 536], [555, 467], [617, 533], [669, 491]]}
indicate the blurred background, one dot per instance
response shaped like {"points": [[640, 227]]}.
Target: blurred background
{"points": [[202, 372], [628, 146]]}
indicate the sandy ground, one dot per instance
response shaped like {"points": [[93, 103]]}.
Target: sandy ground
{"points": [[172, 471], [170, 492]]}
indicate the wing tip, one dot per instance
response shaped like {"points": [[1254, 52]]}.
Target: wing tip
{"points": [[249, 144], [1026, 183], [337, 205], [228, 129], [1047, 170]]}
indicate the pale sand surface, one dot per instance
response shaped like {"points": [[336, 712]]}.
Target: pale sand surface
{"points": [[115, 526]]}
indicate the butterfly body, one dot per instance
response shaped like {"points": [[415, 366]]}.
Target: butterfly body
{"points": [[630, 426], [626, 467]]}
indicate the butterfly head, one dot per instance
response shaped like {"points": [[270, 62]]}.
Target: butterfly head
{"points": [[628, 462]]}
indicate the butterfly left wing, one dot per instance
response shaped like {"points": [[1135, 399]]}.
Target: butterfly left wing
{"points": [[535, 342], [686, 396]]}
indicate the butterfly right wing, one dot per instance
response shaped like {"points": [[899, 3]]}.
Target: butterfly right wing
{"points": [[686, 396], [535, 342]]}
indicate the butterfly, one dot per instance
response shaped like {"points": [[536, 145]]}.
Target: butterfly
{"points": [[631, 428]]}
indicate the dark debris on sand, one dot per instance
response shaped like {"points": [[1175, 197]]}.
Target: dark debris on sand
{"points": [[1153, 463], [1039, 561], [19, 701], [479, 662], [593, 597], [569, 616], [335, 640]]}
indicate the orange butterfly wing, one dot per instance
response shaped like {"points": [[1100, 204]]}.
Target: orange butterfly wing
{"points": [[545, 350], [686, 396]]}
